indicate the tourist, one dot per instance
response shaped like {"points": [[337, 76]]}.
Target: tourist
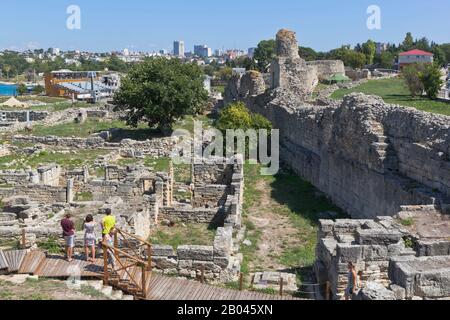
{"points": [[352, 281], [69, 235], [108, 224], [108, 230], [89, 237]]}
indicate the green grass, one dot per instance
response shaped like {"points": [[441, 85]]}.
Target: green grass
{"points": [[92, 292], [192, 234], [394, 91], [51, 245], [298, 200], [67, 160], [95, 125], [89, 127], [84, 196], [408, 222]]}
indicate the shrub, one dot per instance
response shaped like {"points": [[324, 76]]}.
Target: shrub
{"points": [[431, 80], [411, 74]]}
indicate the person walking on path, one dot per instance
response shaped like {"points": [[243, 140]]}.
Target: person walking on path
{"points": [[68, 228], [352, 281], [89, 237]]}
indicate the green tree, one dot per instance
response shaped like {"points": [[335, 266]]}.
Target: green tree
{"points": [[38, 89], [369, 49], [238, 116], [349, 57], [264, 54], [225, 73], [431, 80], [446, 49], [439, 56], [160, 91], [411, 75], [307, 53], [7, 69], [423, 44], [22, 89], [408, 43], [387, 60]]}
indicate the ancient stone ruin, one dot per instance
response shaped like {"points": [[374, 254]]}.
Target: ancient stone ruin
{"points": [[376, 161], [36, 200]]}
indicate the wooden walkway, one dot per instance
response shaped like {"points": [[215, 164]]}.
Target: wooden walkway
{"points": [[158, 287]]}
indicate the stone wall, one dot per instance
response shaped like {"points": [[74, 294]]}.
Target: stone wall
{"points": [[370, 158], [158, 147], [216, 261], [211, 196], [23, 116], [212, 171], [188, 214], [39, 193], [387, 268]]}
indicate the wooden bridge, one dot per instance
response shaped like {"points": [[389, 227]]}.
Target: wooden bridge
{"points": [[131, 272]]}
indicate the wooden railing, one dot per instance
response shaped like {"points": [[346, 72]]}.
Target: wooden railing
{"points": [[128, 256]]}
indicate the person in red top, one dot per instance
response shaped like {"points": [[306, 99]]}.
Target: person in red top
{"points": [[68, 228]]}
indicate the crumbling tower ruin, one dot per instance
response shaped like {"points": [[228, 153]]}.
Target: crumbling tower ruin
{"points": [[290, 72]]}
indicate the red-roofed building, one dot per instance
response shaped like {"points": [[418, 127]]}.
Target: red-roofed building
{"points": [[414, 56]]}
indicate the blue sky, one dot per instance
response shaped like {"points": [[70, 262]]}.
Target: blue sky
{"points": [[150, 25]]}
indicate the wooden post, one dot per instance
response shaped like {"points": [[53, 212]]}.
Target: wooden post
{"points": [[149, 254], [105, 266], [202, 277], [281, 286], [144, 281], [24, 239], [327, 290], [241, 281], [253, 281]]}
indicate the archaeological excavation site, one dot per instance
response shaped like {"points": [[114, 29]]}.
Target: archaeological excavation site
{"points": [[361, 183]]}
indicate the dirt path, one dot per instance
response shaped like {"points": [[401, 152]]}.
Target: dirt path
{"points": [[277, 232]]}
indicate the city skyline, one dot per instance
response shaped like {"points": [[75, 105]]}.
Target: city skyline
{"points": [[147, 27]]}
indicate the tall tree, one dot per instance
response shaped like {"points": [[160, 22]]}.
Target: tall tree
{"points": [[369, 49], [264, 54], [307, 53], [408, 43], [439, 56], [160, 91], [423, 44]]}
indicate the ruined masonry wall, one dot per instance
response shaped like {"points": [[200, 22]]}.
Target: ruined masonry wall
{"points": [[369, 157]]}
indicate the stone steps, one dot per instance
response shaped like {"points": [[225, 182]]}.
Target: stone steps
{"points": [[108, 291]]}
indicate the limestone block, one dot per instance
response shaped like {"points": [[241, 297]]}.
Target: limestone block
{"points": [[378, 237], [399, 292], [349, 253], [164, 263], [222, 262], [185, 264], [162, 251], [209, 266], [376, 291], [199, 253], [375, 252]]}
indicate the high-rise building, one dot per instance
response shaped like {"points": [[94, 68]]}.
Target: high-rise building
{"points": [[381, 47], [202, 51], [251, 52], [178, 49]]}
